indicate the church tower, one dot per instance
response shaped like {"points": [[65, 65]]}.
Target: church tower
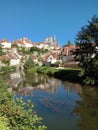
{"points": [[51, 40], [54, 41]]}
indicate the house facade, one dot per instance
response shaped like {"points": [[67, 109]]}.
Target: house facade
{"points": [[52, 58], [27, 43], [41, 45], [67, 50], [5, 43], [18, 43], [15, 58], [23, 42]]}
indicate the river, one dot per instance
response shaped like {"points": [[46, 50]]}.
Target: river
{"points": [[61, 104]]}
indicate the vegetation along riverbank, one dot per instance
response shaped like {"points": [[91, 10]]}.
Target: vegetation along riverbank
{"points": [[15, 114], [65, 74]]}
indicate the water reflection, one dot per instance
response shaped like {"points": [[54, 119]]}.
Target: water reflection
{"points": [[72, 87], [40, 82], [15, 80], [63, 105], [88, 109], [25, 85], [54, 100], [15, 76]]}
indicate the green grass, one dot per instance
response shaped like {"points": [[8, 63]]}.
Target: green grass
{"points": [[68, 74]]}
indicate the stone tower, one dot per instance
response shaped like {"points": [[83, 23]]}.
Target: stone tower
{"points": [[46, 40], [50, 40], [54, 41]]}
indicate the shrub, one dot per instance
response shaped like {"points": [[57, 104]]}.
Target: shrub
{"points": [[17, 114], [4, 123]]}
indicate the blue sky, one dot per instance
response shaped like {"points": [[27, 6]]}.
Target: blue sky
{"points": [[38, 19]]}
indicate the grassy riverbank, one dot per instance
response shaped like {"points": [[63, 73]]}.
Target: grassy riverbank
{"points": [[64, 74]]}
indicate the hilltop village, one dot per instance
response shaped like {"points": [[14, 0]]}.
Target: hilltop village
{"points": [[17, 52]]}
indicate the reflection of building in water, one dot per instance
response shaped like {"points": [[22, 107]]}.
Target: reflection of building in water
{"points": [[72, 86], [15, 75], [50, 86], [15, 80], [16, 83], [25, 91]]}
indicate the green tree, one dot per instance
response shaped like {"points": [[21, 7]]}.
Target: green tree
{"points": [[87, 51], [40, 51], [1, 51], [29, 63], [16, 114], [34, 49], [14, 45], [69, 43]]}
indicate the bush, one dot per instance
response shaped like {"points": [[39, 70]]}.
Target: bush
{"points": [[29, 64], [17, 114], [8, 69], [4, 123]]}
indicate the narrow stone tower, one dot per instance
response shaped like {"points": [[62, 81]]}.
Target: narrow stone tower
{"points": [[54, 41]]}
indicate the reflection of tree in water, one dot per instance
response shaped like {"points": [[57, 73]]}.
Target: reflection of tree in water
{"points": [[39, 81], [88, 109], [33, 80], [15, 80], [72, 86]]}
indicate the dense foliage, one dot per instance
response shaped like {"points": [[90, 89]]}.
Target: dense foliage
{"points": [[29, 63], [15, 114], [7, 69], [68, 74], [1, 51], [36, 49], [3, 123], [87, 51]]}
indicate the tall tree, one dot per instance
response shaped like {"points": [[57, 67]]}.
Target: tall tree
{"points": [[87, 51], [69, 43]]}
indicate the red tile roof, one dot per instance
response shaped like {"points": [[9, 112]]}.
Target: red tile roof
{"points": [[17, 42], [55, 55], [6, 58], [67, 50], [22, 41], [26, 40], [4, 40]]}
